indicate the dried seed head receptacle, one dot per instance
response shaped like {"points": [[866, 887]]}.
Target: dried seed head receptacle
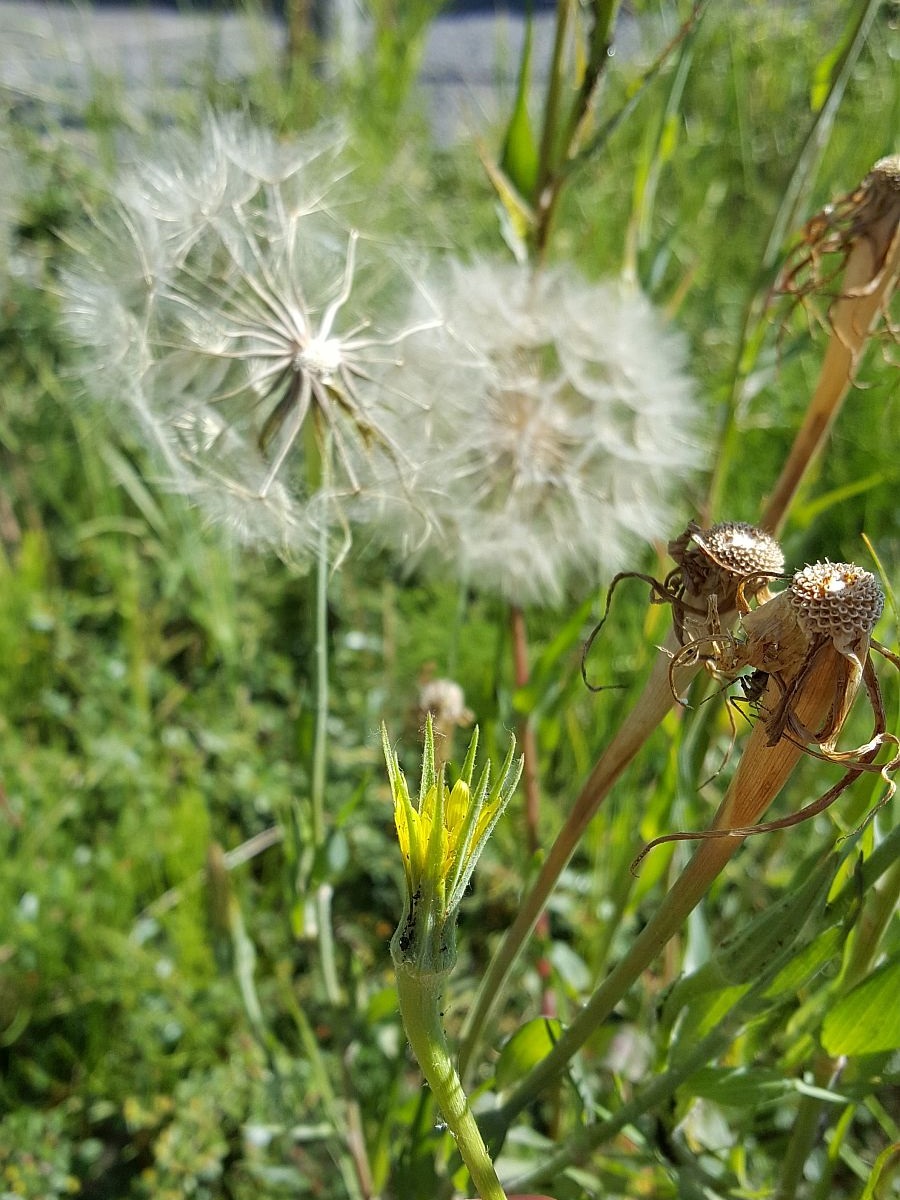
{"points": [[813, 644], [866, 217], [860, 235], [718, 571]]}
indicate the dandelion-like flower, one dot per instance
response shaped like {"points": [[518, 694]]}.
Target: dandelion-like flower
{"points": [[266, 327], [441, 837], [566, 424]]}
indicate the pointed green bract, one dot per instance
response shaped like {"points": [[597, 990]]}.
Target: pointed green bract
{"points": [[441, 838]]}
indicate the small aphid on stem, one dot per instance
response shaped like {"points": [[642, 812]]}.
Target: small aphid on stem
{"points": [[717, 571], [810, 649]]}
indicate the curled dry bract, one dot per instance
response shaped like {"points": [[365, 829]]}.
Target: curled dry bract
{"points": [[717, 571], [811, 648]]}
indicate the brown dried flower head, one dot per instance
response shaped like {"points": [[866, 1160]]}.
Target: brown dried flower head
{"points": [[809, 648], [828, 607], [721, 570], [857, 239], [717, 572], [865, 220]]}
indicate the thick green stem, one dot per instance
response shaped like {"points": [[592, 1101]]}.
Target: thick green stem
{"points": [[655, 702], [420, 999]]}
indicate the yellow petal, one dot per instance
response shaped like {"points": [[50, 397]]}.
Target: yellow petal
{"points": [[457, 808]]}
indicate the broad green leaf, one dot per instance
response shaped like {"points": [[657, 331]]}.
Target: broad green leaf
{"points": [[867, 1019], [808, 962], [525, 1049]]}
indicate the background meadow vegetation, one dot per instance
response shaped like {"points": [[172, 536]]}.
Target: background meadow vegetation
{"points": [[164, 1028]]}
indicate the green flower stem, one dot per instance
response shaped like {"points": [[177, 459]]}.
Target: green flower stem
{"points": [[527, 739], [320, 745], [420, 999], [319, 759], [654, 703]]}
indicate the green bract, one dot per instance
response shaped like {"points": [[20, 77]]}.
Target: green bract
{"points": [[441, 837]]}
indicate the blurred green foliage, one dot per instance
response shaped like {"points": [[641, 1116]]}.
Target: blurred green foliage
{"points": [[156, 698]]}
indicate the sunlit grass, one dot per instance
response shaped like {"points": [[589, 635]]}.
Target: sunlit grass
{"points": [[164, 1029]]}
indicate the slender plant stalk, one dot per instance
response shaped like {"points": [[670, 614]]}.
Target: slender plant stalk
{"points": [[420, 1002], [553, 98], [526, 737], [528, 741], [653, 704], [561, 131], [319, 761], [762, 772], [866, 288]]}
